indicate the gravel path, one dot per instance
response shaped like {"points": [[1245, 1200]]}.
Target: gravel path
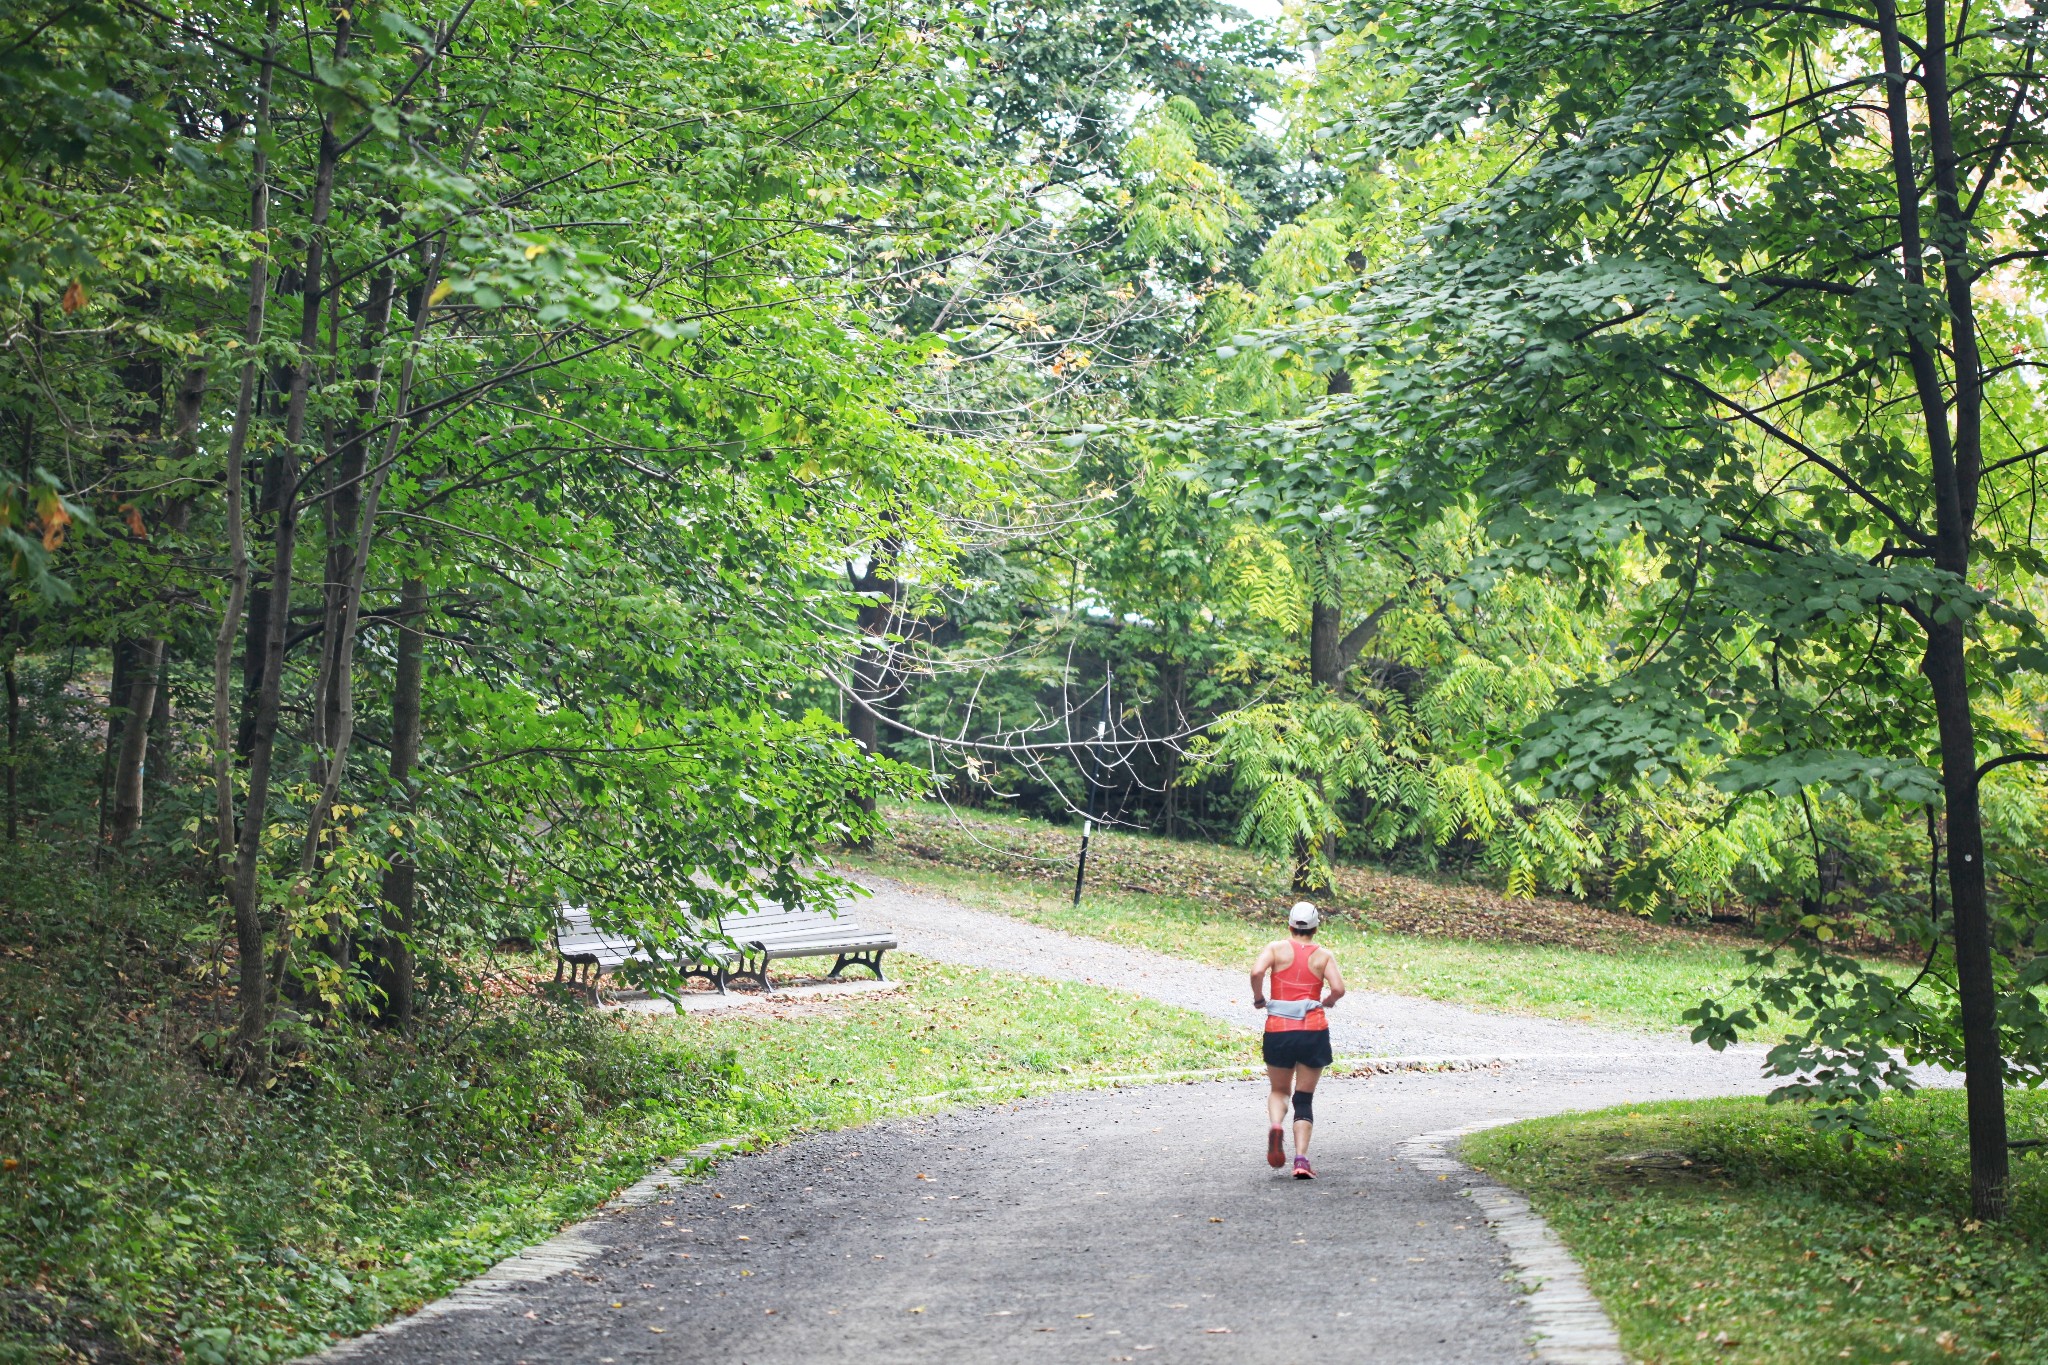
{"points": [[1366, 1023], [1135, 1225]]}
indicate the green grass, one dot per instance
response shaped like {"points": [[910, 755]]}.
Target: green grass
{"points": [[150, 1210], [954, 1033], [1775, 1246], [1621, 981]]}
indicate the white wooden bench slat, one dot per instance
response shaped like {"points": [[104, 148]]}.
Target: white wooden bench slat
{"points": [[816, 940]]}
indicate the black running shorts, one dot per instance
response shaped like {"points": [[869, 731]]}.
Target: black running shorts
{"points": [[1298, 1047]]}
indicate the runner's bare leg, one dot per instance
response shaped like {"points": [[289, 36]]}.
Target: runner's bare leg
{"points": [[1304, 1079], [1277, 1099]]}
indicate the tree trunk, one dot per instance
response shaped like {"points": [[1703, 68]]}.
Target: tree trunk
{"points": [[1956, 464], [156, 763], [249, 1045], [120, 684], [391, 956], [345, 530], [145, 667], [225, 835], [133, 693], [1326, 611], [875, 620], [1983, 1064], [1176, 692], [13, 745], [1304, 880], [1325, 631]]}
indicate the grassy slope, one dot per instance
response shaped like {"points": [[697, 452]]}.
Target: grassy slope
{"points": [[1399, 934], [831, 1064], [1775, 1246], [147, 1208]]}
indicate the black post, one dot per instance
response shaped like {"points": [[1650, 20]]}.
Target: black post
{"points": [[1094, 761]]}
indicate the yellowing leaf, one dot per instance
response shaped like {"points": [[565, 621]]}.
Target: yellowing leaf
{"points": [[55, 519], [441, 291]]}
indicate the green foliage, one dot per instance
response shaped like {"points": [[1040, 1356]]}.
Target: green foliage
{"points": [[1701, 338], [1296, 762]]}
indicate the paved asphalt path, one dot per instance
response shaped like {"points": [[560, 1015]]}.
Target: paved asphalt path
{"points": [[1102, 1226]]}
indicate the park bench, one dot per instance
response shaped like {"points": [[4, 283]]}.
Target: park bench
{"points": [[772, 934], [758, 937], [591, 954]]}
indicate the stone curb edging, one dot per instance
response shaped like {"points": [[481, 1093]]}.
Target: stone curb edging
{"points": [[1569, 1325]]}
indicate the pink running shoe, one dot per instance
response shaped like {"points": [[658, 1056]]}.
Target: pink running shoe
{"points": [[1302, 1170], [1276, 1156]]}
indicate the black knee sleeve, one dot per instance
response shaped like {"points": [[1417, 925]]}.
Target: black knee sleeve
{"points": [[1304, 1106]]}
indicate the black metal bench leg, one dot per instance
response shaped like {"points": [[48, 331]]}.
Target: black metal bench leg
{"points": [[871, 961], [743, 972]]}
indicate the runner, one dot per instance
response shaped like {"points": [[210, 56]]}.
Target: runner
{"points": [[1305, 983]]}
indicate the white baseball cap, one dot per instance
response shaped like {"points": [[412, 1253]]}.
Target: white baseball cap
{"points": [[1303, 916]]}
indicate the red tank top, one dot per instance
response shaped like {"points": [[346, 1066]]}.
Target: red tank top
{"points": [[1296, 981]]}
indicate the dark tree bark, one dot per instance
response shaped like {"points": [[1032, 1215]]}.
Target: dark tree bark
{"points": [[156, 764], [148, 655], [872, 684], [345, 497], [120, 686], [345, 533], [1326, 610], [1956, 461], [1175, 690], [13, 745], [250, 1046], [133, 694], [145, 659], [391, 956], [238, 444], [1325, 631]]}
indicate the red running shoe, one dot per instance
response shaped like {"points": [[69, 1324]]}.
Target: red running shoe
{"points": [[1302, 1170], [1276, 1157]]}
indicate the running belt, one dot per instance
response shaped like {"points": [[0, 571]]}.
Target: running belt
{"points": [[1294, 1009]]}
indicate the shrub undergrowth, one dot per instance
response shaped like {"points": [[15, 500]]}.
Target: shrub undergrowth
{"points": [[149, 1207]]}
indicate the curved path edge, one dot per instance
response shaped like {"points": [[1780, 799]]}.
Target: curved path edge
{"points": [[1382, 1034], [1569, 1324], [571, 1248]]}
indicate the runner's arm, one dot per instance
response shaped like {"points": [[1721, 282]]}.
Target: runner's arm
{"points": [[1260, 966], [1333, 979]]}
